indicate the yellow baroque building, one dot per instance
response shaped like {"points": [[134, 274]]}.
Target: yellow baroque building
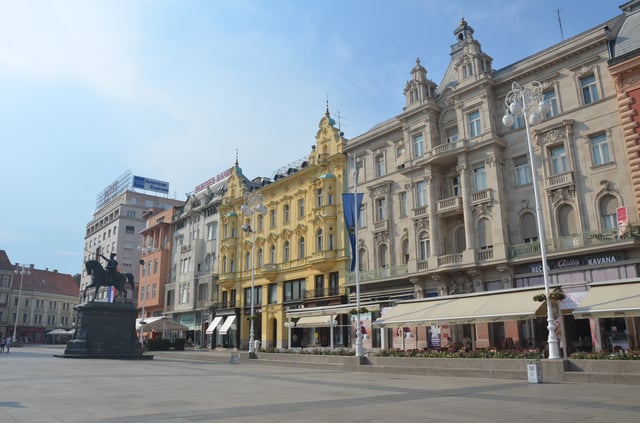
{"points": [[299, 252]]}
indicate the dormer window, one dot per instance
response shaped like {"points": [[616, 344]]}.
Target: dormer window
{"points": [[467, 70]]}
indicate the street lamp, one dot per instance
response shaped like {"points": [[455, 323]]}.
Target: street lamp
{"points": [[531, 105], [252, 205], [21, 270]]}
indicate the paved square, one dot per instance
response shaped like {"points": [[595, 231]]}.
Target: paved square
{"points": [[37, 387]]}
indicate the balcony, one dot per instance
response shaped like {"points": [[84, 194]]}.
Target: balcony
{"points": [[485, 255], [185, 248], [270, 271], [422, 265], [323, 260], [449, 206], [450, 259], [480, 197], [445, 150], [559, 180], [593, 239], [420, 211], [375, 274]]}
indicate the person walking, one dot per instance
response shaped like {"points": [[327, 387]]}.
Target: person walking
{"points": [[2, 343], [8, 344]]}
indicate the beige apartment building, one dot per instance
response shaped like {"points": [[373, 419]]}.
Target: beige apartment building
{"points": [[117, 223], [298, 257], [449, 209], [191, 286]]}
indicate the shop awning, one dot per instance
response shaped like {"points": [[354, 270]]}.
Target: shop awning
{"points": [[610, 300], [227, 325], [513, 305], [332, 310], [315, 322], [213, 325]]}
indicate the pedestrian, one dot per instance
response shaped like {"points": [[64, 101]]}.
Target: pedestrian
{"points": [[8, 344], [2, 344]]}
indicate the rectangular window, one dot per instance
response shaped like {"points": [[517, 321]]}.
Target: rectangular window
{"points": [[424, 248], [129, 229], [301, 207], [399, 150], [334, 283], [475, 129], [451, 134], [362, 218], [260, 218], [418, 145], [272, 217], [295, 290], [212, 230], [319, 197], [480, 178], [285, 213], [257, 290], [589, 89], [131, 214], [403, 204], [319, 286], [559, 162], [523, 171], [380, 169], [550, 97], [600, 150], [381, 209], [273, 293], [421, 194]]}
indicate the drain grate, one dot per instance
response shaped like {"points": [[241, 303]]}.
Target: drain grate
{"points": [[11, 404]]}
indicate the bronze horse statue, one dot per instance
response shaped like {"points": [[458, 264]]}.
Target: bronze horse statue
{"points": [[100, 277]]}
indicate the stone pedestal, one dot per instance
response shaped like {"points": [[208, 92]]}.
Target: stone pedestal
{"points": [[105, 330]]}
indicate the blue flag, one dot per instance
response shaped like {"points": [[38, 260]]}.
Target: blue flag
{"points": [[350, 221]]}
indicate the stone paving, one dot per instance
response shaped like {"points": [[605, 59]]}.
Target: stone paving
{"points": [[178, 388]]}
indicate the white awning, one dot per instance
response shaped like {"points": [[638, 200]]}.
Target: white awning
{"points": [[513, 305], [610, 300], [213, 325], [160, 323], [315, 322], [227, 325]]}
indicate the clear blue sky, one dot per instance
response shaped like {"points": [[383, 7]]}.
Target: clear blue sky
{"points": [[170, 89]]}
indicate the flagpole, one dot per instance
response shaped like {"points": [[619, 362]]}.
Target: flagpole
{"points": [[359, 351]]}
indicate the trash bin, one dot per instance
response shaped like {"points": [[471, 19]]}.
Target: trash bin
{"points": [[235, 358], [534, 371]]}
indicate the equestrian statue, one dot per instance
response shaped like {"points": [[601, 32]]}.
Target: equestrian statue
{"points": [[109, 276]]}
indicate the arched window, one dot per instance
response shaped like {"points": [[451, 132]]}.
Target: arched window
{"points": [[247, 261], [484, 237], [528, 228], [286, 251], [224, 264], [319, 240], [362, 259], [259, 264], [272, 254], [382, 255], [405, 251], [301, 247], [608, 215], [566, 220], [424, 246]]}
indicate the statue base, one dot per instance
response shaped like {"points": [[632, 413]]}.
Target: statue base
{"points": [[105, 330]]}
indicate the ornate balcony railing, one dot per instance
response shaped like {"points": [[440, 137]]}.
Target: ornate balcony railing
{"points": [[450, 259], [576, 241], [559, 180], [382, 273]]}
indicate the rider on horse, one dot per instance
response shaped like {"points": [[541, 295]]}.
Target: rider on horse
{"points": [[111, 267]]}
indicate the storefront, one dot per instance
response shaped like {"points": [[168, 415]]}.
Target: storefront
{"points": [[613, 313]]}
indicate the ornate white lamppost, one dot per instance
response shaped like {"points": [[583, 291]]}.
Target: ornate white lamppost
{"points": [[252, 205], [20, 270], [529, 103]]}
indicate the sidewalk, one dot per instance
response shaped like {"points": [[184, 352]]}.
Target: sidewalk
{"points": [[205, 387]]}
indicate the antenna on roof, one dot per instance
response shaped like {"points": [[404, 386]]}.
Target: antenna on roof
{"points": [[340, 119], [560, 24]]}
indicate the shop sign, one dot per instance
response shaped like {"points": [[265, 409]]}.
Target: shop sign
{"points": [[573, 262]]}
